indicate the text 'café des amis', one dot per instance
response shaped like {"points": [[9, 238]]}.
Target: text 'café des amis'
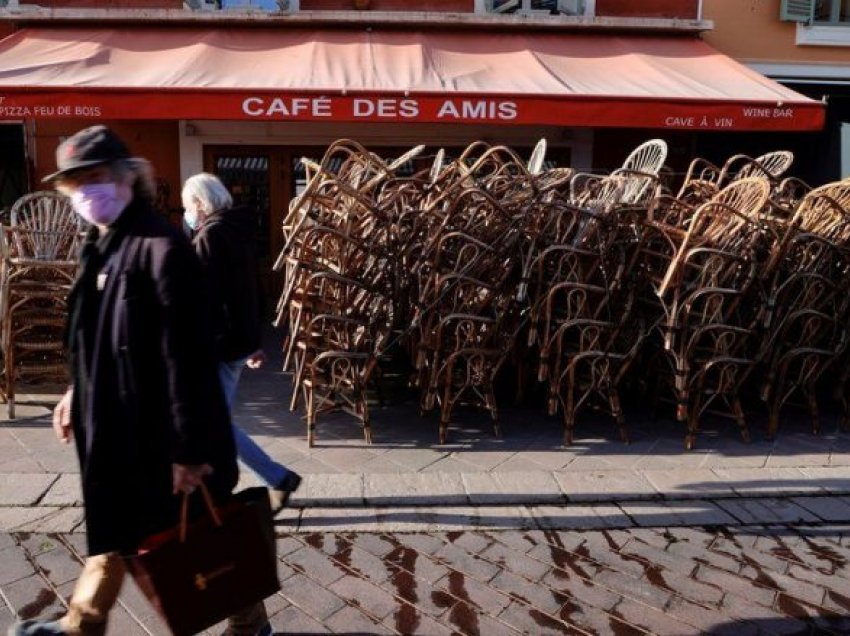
{"points": [[246, 91]]}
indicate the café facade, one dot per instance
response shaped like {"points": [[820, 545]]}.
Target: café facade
{"points": [[248, 97]]}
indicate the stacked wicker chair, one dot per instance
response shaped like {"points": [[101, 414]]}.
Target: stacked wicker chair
{"points": [[39, 263], [805, 327], [702, 265], [336, 300], [487, 263]]}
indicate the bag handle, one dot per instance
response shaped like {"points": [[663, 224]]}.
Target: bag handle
{"points": [[184, 511]]}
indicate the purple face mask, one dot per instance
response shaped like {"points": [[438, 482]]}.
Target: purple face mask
{"points": [[98, 203]]}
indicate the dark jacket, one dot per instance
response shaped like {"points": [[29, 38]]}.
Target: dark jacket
{"points": [[146, 388], [226, 245]]}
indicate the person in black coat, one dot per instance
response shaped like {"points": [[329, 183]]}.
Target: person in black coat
{"points": [[225, 241], [145, 408]]}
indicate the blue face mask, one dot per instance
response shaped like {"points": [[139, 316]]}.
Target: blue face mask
{"points": [[192, 219], [98, 203]]}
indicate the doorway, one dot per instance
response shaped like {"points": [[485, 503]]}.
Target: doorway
{"points": [[269, 177]]}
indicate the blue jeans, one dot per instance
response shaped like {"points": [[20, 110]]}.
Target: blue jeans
{"points": [[248, 450]]}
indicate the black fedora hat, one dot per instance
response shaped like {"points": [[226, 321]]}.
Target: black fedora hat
{"points": [[89, 147]]}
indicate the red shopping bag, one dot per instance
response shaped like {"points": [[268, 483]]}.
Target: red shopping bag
{"points": [[199, 573]]}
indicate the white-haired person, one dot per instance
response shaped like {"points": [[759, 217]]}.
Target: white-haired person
{"points": [[224, 240]]}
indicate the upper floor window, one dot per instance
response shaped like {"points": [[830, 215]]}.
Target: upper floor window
{"points": [[832, 11], [260, 5], [533, 7], [816, 11]]}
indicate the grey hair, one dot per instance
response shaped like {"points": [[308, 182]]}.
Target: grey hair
{"points": [[209, 190]]}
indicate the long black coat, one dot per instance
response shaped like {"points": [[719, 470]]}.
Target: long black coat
{"points": [[226, 245], [146, 389]]}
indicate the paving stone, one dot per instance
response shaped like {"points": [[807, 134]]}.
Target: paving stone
{"points": [[53, 520], [59, 566], [582, 591], [521, 542], [315, 565], [681, 483], [537, 596], [371, 543], [770, 481], [825, 508], [310, 597], [15, 566], [345, 489], [294, 620], [516, 563], [286, 544], [65, 491], [364, 564], [503, 518], [530, 487], [416, 488], [662, 558], [651, 618], [675, 513], [336, 519], [369, 597], [425, 518], [768, 620], [422, 543], [605, 485], [472, 542], [595, 621], [457, 559], [408, 585], [572, 516], [37, 543], [19, 489], [528, 620], [351, 620], [772, 510], [31, 597], [630, 587], [422, 566], [833, 479]]}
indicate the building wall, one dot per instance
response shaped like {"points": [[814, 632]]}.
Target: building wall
{"points": [[156, 141], [440, 6], [736, 22], [686, 9], [124, 4]]}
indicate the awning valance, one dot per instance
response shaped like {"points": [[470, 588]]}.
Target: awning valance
{"points": [[390, 76]]}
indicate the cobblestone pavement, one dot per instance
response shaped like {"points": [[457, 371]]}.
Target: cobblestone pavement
{"points": [[735, 580]]}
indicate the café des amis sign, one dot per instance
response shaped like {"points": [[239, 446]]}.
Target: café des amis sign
{"points": [[585, 110]]}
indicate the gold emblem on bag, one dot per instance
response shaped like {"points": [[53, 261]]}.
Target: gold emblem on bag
{"points": [[202, 580]]}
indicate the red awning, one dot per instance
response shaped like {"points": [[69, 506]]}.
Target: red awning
{"points": [[390, 76]]}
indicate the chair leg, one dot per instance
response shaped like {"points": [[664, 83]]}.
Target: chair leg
{"points": [[617, 412], [812, 400], [494, 411], [311, 418], [738, 410]]}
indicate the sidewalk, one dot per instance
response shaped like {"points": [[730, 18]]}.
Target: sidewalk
{"points": [[516, 535], [405, 467]]}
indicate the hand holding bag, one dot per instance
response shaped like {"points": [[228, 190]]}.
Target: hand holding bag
{"points": [[197, 574]]}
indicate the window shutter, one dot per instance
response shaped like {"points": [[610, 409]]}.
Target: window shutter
{"points": [[797, 10]]}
